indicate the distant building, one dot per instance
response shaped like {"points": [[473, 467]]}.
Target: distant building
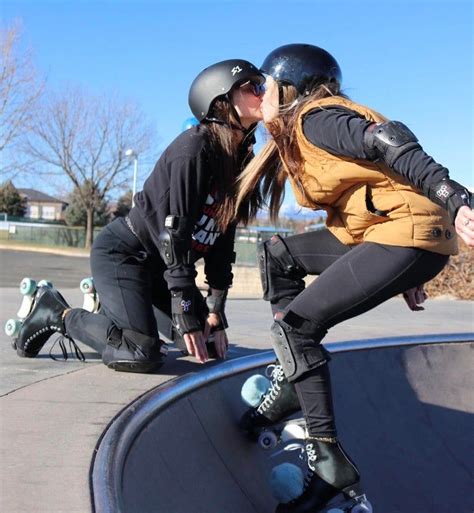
{"points": [[42, 206]]}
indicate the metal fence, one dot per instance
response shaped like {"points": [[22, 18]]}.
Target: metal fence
{"points": [[48, 235], [43, 234]]}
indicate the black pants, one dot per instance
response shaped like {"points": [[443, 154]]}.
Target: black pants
{"points": [[351, 281], [132, 291]]}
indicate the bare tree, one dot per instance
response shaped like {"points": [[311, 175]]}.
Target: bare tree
{"points": [[85, 137], [20, 90]]}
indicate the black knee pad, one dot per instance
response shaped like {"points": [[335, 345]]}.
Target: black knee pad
{"points": [[279, 273], [153, 347], [297, 350]]}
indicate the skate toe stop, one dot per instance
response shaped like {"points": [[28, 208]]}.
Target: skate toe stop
{"points": [[254, 389], [286, 482]]}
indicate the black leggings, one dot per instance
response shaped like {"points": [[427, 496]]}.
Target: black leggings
{"points": [[350, 281], [133, 293]]}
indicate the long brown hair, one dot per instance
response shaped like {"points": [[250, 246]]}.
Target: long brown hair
{"points": [[262, 183], [230, 155]]}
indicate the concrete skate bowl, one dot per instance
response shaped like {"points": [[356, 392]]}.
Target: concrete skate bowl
{"points": [[404, 411]]}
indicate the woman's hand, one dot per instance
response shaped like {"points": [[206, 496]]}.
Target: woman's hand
{"points": [[270, 103], [196, 345], [220, 336], [415, 297], [464, 224]]}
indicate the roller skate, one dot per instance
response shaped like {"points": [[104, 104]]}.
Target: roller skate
{"points": [[290, 433], [271, 403], [91, 297], [331, 485], [39, 316], [28, 289]]}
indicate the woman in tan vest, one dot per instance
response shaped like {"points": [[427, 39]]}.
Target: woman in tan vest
{"points": [[392, 218]]}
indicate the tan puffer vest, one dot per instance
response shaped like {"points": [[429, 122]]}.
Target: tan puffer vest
{"points": [[350, 191]]}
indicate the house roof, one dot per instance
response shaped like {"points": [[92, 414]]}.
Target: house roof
{"points": [[34, 195]]}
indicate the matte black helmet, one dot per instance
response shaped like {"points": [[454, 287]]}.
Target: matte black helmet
{"points": [[217, 80], [302, 66]]}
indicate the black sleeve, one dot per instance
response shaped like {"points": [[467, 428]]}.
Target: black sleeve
{"points": [[340, 131], [188, 187], [218, 263]]}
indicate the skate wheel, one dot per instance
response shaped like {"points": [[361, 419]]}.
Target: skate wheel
{"points": [[293, 431], [45, 283], [362, 507], [12, 327], [87, 285], [267, 440], [28, 286]]}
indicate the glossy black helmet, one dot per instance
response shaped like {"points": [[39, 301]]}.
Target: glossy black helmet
{"points": [[302, 66], [217, 80]]}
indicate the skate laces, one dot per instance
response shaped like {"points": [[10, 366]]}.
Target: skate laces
{"points": [[311, 456], [73, 348], [277, 376], [306, 482]]}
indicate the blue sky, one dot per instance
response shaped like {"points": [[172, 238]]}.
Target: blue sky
{"points": [[409, 59]]}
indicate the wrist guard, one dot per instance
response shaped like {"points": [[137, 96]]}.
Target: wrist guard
{"points": [[449, 194], [215, 302], [188, 310]]}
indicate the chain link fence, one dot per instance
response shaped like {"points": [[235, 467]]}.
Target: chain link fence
{"points": [[59, 236]]}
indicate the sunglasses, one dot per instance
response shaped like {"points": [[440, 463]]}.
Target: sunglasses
{"points": [[254, 88]]}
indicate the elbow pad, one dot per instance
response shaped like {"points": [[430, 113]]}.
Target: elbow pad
{"points": [[388, 141], [171, 242], [449, 194]]}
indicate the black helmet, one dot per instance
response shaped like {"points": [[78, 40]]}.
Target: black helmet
{"points": [[301, 66], [217, 80]]}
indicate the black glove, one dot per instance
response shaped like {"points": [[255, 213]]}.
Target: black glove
{"points": [[188, 310], [215, 302]]}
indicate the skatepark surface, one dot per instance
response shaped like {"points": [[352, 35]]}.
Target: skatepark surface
{"points": [[404, 414], [55, 415]]}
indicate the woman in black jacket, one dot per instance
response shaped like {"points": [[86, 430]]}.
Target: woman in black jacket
{"points": [[184, 212]]}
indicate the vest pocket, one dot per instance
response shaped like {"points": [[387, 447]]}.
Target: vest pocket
{"points": [[369, 204], [355, 213]]}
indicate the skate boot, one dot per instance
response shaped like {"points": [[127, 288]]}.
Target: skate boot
{"points": [[330, 473], [44, 319], [278, 403], [130, 351]]}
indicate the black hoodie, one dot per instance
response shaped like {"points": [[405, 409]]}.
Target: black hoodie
{"points": [[183, 184]]}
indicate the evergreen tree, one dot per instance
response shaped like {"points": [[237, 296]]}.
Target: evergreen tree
{"points": [[11, 202], [76, 212], [124, 204]]}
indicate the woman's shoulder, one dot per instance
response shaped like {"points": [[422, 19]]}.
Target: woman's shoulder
{"points": [[341, 104], [191, 143]]}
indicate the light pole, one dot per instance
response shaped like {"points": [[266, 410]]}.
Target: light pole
{"points": [[132, 154]]}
